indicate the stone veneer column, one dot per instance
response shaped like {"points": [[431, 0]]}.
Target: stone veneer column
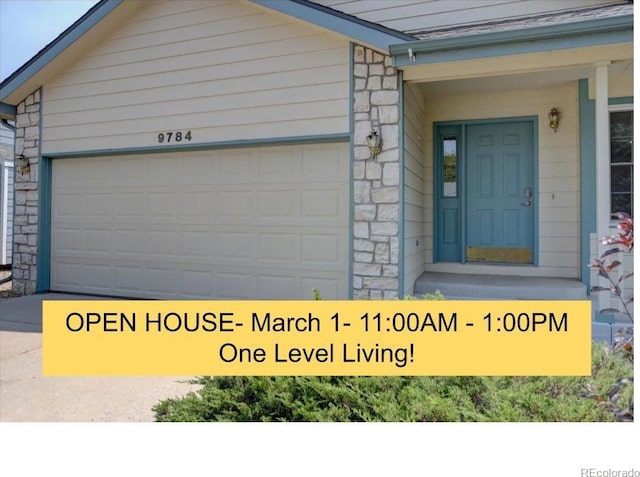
{"points": [[26, 186], [376, 186]]}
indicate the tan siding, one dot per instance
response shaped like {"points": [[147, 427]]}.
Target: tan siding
{"points": [[223, 70], [414, 186], [558, 170], [412, 15]]}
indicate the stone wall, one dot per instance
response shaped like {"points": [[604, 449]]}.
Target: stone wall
{"points": [[376, 187], [25, 224]]}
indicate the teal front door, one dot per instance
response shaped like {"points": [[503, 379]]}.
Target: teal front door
{"points": [[500, 193]]}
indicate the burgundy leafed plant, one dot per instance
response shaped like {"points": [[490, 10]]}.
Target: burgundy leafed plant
{"points": [[607, 263], [607, 266]]}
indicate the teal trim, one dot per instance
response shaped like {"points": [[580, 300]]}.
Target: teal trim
{"points": [[57, 46], [43, 254], [622, 100], [352, 47], [527, 40], [463, 202], [587, 112], [7, 111], [439, 127], [278, 141], [401, 186], [348, 25], [536, 192], [43, 276], [436, 196], [472, 122]]}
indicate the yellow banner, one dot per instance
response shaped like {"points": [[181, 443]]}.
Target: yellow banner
{"points": [[271, 338]]}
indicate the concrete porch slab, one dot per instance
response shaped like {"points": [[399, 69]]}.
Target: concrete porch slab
{"points": [[456, 286]]}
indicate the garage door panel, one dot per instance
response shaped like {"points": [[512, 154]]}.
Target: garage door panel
{"points": [[236, 204], [281, 163], [196, 204], [70, 239], [163, 244], [130, 171], [127, 204], [236, 285], [321, 204], [163, 171], [69, 274], [162, 204], [98, 277], [97, 240], [198, 168], [97, 204], [329, 288], [276, 287], [237, 247], [233, 224], [198, 244], [197, 284], [274, 248], [321, 248], [162, 281], [128, 242], [69, 205], [278, 203], [241, 164], [321, 162], [128, 278]]}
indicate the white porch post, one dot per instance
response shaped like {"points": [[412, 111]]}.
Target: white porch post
{"points": [[603, 171]]}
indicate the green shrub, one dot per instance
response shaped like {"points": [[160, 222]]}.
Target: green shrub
{"points": [[406, 399], [427, 296], [399, 399]]}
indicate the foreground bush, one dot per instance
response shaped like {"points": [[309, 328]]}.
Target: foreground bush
{"points": [[618, 399], [398, 399]]}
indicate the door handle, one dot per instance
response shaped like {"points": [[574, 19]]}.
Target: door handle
{"points": [[526, 203]]}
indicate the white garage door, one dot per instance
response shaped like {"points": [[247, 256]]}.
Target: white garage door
{"points": [[254, 223]]}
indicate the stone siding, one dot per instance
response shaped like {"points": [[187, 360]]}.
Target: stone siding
{"points": [[25, 225], [376, 187]]}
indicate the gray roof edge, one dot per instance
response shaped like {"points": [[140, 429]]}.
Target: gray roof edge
{"points": [[563, 30], [57, 46], [339, 22], [7, 111]]}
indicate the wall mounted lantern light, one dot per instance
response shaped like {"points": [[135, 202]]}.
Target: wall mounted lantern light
{"points": [[374, 141], [554, 119], [22, 164]]}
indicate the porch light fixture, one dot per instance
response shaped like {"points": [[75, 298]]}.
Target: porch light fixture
{"points": [[374, 141], [554, 119], [22, 164]]}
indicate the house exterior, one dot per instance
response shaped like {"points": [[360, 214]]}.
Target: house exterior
{"points": [[6, 194], [199, 149]]}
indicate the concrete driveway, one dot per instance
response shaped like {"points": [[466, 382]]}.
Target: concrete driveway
{"points": [[26, 395]]}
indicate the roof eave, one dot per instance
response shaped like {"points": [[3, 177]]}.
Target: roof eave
{"points": [[347, 25], [617, 29]]}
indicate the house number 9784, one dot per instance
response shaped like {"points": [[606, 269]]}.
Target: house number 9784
{"points": [[174, 136]]}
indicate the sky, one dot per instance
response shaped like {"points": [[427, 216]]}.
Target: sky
{"points": [[26, 26]]}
